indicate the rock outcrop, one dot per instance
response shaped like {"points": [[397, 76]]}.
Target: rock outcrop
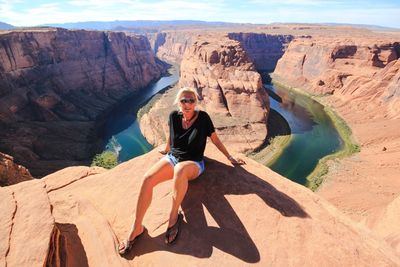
{"points": [[364, 69], [386, 225], [55, 84], [171, 45], [11, 173], [264, 49], [233, 216]]}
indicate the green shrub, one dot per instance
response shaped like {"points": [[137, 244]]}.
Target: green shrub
{"points": [[107, 160]]}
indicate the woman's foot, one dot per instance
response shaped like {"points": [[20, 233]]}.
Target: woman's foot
{"points": [[126, 244], [173, 230]]}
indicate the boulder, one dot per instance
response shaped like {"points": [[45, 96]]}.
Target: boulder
{"points": [[10, 172]]}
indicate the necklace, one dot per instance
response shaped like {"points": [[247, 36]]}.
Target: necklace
{"points": [[187, 122]]}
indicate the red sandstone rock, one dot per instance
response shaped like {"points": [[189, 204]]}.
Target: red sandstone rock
{"points": [[234, 216], [387, 225], [55, 83], [362, 74], [363, 69], [171, 45], [27, 224], [11, 173], [264, 49]]}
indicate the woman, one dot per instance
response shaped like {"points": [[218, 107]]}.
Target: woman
{"points": [[183, 162]]}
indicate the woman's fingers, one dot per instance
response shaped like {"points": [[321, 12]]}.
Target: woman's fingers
{"points": [[163, 152], [237, 161], [241, 162]]}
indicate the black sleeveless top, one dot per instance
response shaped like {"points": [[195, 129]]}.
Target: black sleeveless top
{"points": [[189, 144]]}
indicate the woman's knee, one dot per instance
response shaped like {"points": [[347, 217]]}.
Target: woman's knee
{"points": [[180, 172], [149, 181]]}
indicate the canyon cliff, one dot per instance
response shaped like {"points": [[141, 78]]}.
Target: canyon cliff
{"points": [[234, 216], [363, 69], [171, 45], [360, 78], [56, 84], [230, 90], [264, 49]]}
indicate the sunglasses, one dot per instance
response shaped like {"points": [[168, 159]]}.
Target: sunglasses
{"points": [[187, 100]]}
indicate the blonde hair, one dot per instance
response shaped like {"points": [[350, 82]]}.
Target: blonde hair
{"points": [[189, 90]]}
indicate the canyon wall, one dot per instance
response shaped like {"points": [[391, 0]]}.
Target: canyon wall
{"points": [[351, 68], [171, 45], [264, 49], [54, 85]]}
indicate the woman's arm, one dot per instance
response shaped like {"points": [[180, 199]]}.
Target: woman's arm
{"points": [[167, 146], [217, 142]]}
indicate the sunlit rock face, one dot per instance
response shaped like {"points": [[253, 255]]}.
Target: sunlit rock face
{"points": [[263, 49], [233, 216], [365, 69], [171, 45]]}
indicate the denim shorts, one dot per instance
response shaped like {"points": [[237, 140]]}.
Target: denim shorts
{"points": [[173, 161]]}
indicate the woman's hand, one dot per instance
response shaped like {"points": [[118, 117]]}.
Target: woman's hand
{"points": [[237, 161]]}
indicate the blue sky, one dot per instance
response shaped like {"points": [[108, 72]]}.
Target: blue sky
{"points": [[30, 13]]}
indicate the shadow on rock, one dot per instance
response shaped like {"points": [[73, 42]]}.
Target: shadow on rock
{"points": [[66, 248], [208, 191]]}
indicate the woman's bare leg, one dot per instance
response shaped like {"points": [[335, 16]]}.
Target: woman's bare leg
{"points": [[183, 173], [160, 172]]}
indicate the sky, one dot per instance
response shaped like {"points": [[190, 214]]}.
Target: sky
{"points": [[32, 13]]}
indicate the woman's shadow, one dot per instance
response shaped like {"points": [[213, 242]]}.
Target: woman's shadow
{"points": [[196, 237]]}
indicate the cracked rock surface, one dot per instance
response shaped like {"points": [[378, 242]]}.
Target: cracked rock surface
{"points": [[233, 216]]}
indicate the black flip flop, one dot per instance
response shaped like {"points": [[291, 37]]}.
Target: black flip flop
{"points": [[129, 244], [176, 227]]}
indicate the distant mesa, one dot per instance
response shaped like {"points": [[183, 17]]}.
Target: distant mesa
{"points": [[150, 25], [6, 26]]}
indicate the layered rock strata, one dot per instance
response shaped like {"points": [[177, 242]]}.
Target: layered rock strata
{"points": [[234, 216], [362, 80], [264, 49], [362, 69], [54, 85], [171, 45]]}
